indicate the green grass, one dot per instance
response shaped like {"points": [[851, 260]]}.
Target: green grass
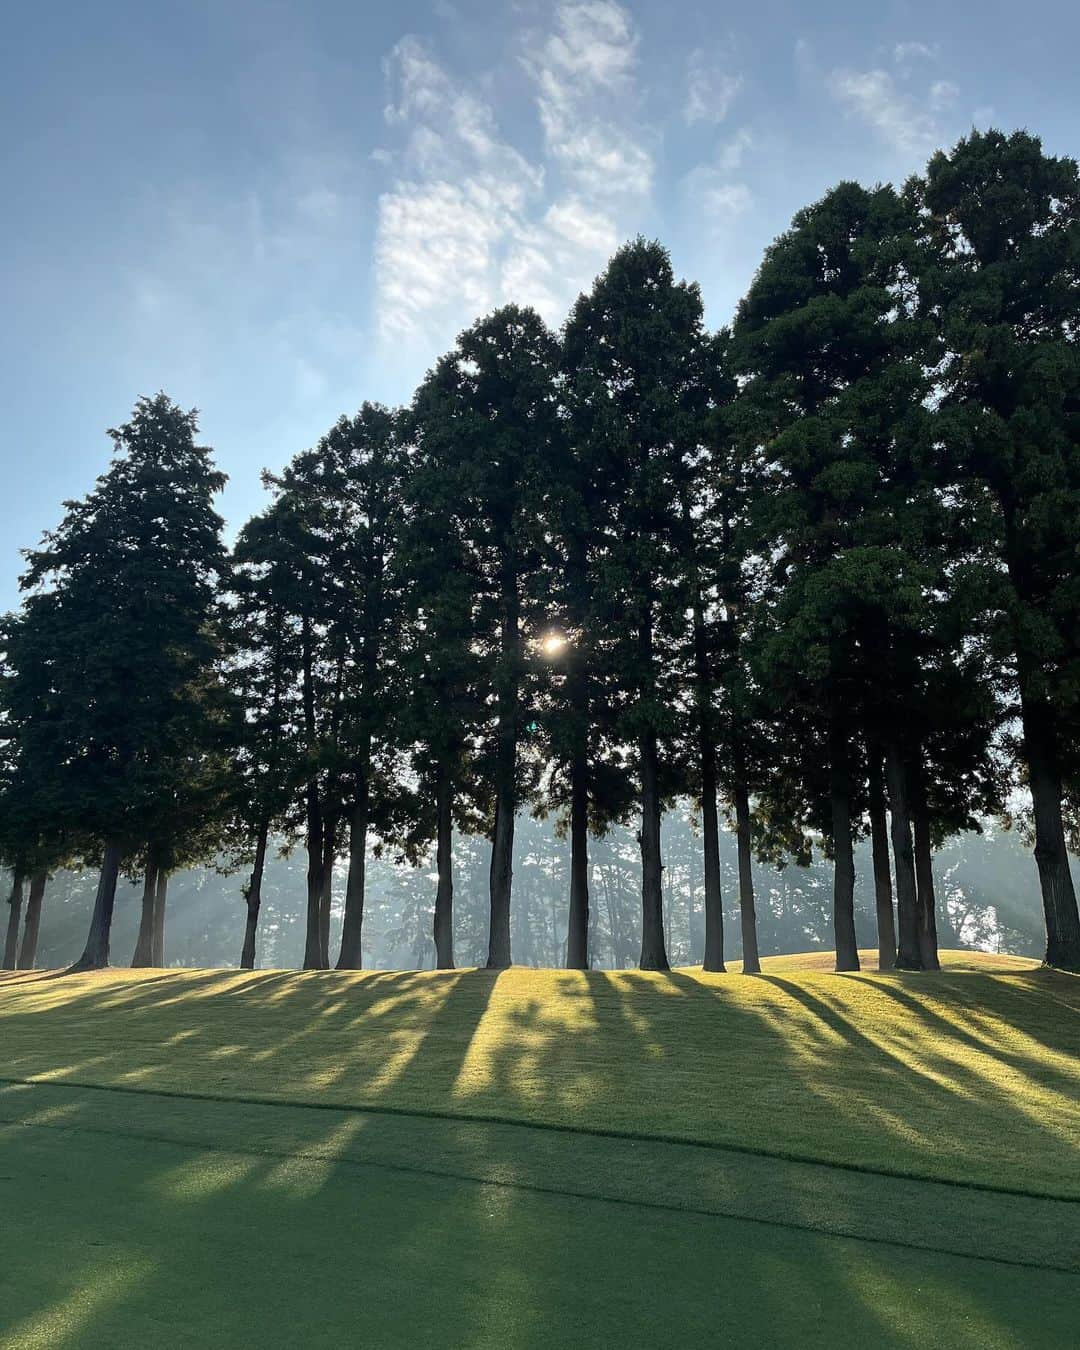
{"points": [[675, 1196]]}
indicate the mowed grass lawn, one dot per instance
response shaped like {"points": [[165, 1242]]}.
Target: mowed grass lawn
{"points": [[674, 1196]]}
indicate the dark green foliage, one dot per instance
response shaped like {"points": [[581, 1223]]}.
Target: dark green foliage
{"points": [[818, 573], [117, 630]]}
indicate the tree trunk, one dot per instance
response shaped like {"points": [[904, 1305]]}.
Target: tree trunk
{"points": [[96, 952], [351, 956], [502, 839], [577, 933], [1051, 857], [908, 954], [144, 943], [253, 897], [710, 828], [653, 952], [925, 900], [444, 894], [847, 947], [314, 844], [879, 844], [15, 904], [751, 962], [32, 924], [160, 893], [326, 891]]}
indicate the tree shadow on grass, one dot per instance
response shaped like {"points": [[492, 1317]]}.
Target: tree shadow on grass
{"points": [[219, 1248]]}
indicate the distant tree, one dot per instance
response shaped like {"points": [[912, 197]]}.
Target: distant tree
{"points": [[119, 599], [1003, 218]]}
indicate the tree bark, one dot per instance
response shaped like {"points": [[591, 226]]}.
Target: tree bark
{"points": [[879, 845], [96, 952], [847, 947], [350, 956], [144, 943], [908, 954], [1051, 856], [925, 899], [15, 904], [314, 845], [253, 896], [444, 894], [751, 962], [653, 951], [326, 889], [161, 890], [924, 887], [502, 840], [577, 932], [32, 923]]}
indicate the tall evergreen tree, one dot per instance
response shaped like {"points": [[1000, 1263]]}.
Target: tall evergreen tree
{"points": [[633, 356], [488, 417], [118, 615], [835, 352], [1003, 218]]}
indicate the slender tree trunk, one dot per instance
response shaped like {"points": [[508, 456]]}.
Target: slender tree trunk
{"points": [[96, 952], [144, 943], [314, 844], [326, 889], [847, 947], [751, 962], [161, 891], [879, 844], [653, 952], [444, 857], [32, 924], [710, 828], [502, 840], [925, 899], [1051, 856], [15, 904], [908, 954], [253, 896], [351, 956], [577, 933]]}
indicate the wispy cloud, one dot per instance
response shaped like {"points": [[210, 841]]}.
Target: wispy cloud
{"points": [[469, 221], [711, 88], [583, 74], [905, 119], [874, 97]]}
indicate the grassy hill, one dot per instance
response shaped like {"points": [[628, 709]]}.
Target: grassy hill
{"points": [[633, 1126]]}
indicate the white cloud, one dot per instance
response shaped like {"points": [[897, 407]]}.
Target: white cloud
{"points": [[943, 94], [583, 73], [713, 199], [873, 96], [907, 53], [467, 221], [732, 153], [710, 89]]}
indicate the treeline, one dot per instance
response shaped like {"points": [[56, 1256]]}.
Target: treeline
{"points": [[817, 572]]}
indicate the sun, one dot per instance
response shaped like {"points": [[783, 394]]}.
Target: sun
{"points": [[553, 644]]}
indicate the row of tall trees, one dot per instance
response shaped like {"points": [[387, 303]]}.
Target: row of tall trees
{"points": [[816, 572]]}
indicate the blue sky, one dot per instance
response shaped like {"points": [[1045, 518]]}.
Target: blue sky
{"points": [[274, 211]]}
